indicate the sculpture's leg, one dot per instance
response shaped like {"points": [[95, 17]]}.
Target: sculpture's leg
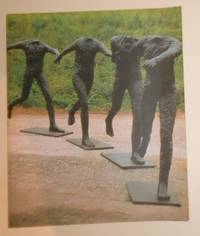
{"points": [[135, 90], [117, 96], [44, 86], [27, 83], [72, 111], [81, 90], [76, 107], [167, 105], [148, 109]]}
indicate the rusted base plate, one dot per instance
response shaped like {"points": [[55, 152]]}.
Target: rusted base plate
{"points": [[124, 161], [45, 132], [146, 193], [98, 144]]}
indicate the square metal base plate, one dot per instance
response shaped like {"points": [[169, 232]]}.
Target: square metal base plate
{"points": [[123, 160], [98, 144], [45, 132], [146, 193]]}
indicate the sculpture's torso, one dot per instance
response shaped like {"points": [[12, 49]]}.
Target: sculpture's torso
{"points": [[125, 55], [34, 56], [152, 46], [86, 50]]}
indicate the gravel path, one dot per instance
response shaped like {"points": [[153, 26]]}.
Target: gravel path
{"points": [[52, 182]]}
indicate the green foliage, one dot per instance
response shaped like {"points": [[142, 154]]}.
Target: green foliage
{"points": [[61, 29]]}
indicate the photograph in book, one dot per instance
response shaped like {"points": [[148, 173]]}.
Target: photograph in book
{"points": [[96, 118]]}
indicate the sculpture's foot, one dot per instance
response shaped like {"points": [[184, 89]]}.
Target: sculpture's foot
{"points": [[87, 142], [71, 119], [136, 158], [109, 128], [141, 151], [56, 129], [162, 192]]}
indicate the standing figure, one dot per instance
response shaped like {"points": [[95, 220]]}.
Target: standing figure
{"points": [[35, 51], [85, 49], [128, 76], [159, 53]]}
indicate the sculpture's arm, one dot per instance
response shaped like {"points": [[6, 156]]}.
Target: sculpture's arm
{"points": [[65, 51], [115, 53], [173, 51], [51, 50], [19, 45], [104, 50], [140, 47]]}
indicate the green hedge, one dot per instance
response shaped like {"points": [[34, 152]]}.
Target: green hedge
{"points": [[60, 29]]}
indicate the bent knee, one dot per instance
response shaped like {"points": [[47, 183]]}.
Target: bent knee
{"points": [[48, 98], [23, 98], [115, 108], [84, 105]]}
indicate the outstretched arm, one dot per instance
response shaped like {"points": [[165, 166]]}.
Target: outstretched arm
{"points": [[104, 50], [19, 45], [64, 52], [52, 50], [115, 52], [173, 51]]}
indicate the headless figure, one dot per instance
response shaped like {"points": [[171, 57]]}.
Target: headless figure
{"points": [[35, 51], [159, 53], [85, 52], [128, 77]]}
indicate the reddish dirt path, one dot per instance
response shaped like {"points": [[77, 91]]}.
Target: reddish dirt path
{"points": [[53, 182]]}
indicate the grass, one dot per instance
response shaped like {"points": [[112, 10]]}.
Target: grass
{"points": [[61, 29]]}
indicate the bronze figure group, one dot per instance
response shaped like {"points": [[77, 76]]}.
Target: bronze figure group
{"points": [[159, 53]]}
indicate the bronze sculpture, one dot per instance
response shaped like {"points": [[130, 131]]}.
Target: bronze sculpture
{"points": [[159, 53], [85, 49], [128, 76], [35, 51]]}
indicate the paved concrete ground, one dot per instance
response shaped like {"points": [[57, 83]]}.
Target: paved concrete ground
{"points": [[53, 182]]}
